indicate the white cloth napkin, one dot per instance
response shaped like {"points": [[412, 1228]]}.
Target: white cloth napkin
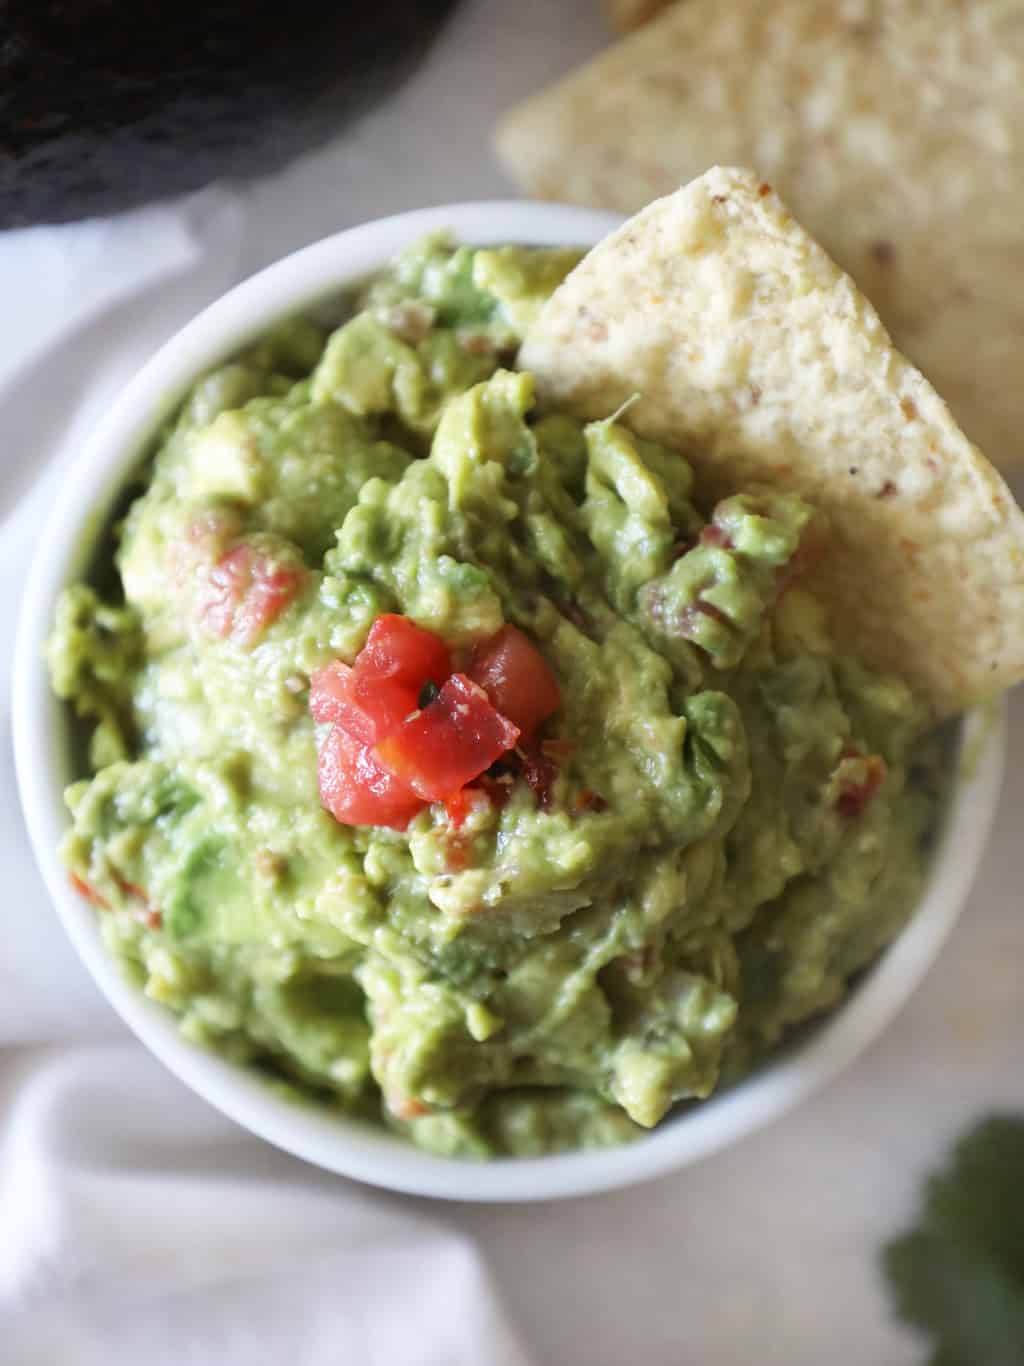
{"points": [[138, 1226], [142, 1228]]}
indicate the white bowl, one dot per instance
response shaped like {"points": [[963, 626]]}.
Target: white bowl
{"points": [[42, 751]]}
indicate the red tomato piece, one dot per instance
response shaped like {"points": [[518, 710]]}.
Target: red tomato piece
{"points": [[448, 743], [149, 915], [496, 790], [368, 709], [90, 893], [373, 697], [357, 789], [329, 690], [517, 678], [246, 590], [855, 795], [459, 806], [539, 773], [406, 1107], [397, 648]]}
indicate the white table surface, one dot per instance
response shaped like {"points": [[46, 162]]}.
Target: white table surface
{"points": [[764, 1254]]}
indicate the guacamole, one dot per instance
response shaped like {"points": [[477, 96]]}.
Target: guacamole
{"points": [[719, 819]]}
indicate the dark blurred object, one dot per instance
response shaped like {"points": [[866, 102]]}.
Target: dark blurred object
{"points": [[958, 1276], [107, 103]]}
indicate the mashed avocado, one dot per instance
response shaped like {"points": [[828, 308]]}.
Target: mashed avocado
{"points": [[724, 820]]}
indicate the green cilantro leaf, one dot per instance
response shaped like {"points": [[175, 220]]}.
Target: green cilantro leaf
{"points": [[959, 1276]]}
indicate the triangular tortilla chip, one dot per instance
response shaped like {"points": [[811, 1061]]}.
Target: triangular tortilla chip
{"points": [[893, 128], [753, 354]]}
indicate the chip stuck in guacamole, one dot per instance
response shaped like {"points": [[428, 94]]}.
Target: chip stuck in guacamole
{"points": [[469, 762]]}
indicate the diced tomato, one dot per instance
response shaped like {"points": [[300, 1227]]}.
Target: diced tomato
{"points": [[450, 742], [397, 648], [407, 1108], [329, 690], [496, 790], [517, 678], [387, 755], [373, 697], [459, 806], [368, 709], [539, 773], [457, 854], [146, 914], [149, 915], [713, 534], [357, 789], [245, 591], [90, 893], [855, 795]]}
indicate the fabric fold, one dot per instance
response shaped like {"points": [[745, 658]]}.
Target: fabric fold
{"points": [[140, 1225]]}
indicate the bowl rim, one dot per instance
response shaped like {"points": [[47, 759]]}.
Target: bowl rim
{"points": [[347, 1147]]}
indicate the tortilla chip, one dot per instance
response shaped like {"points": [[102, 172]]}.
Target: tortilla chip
{"points": [[630, 14], [752, 353], [894, 129]]}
